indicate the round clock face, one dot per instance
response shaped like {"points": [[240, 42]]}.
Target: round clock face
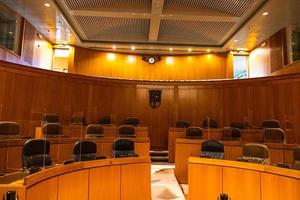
{"points": [[151, 60]]}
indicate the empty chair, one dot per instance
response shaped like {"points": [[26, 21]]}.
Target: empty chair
{"points": [[193, 133], [182, 124], [133, 121], [212, 149], [274, 135], [230, 133], [50, 118], [84, 151], [239, 125], [123, 148], [255, 153], [296, 164], [209, 123], [9, 129], [105, 120], [36, 152], [272, 123], [126, 131], [52, 130], [95, 130], [77, 119]]}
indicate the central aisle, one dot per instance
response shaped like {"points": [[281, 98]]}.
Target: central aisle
{"points": [[164, 183]]}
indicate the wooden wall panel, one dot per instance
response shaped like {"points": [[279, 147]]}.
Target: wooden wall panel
{"points": [[24, 91], [96, 63]]}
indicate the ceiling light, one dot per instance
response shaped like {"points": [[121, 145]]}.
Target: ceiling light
{"points": [[265, 13], [235, 40], [114, 47], [208, 50], [171, 49], [190, 50], [133, 48], [242, 49], [47, 5]]}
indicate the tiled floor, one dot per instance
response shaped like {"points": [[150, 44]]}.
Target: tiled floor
{"points": [[164, 184]]}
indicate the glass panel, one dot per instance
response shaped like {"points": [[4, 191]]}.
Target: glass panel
{"points": [[10, 29], [296, 44], [240, 66]]}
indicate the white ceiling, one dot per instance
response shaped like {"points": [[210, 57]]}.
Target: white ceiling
{"points": [[154, 26]]}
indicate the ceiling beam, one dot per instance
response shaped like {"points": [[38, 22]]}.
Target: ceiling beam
{"points": [[156, 11]]}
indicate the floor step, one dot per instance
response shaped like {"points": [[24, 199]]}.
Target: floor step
{"points": [[159, 153], [160, 159]]}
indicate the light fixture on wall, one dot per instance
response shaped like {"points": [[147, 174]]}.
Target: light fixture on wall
{"points": [[151, 59]]}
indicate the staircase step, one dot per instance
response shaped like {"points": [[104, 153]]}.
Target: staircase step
{"points": [[160, 159]]}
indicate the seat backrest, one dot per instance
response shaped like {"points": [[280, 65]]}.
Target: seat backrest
{"points": [[84, 150], [36, 152], [50, 118], [274, 135], [209, 123], [133, 121], [271, 123], [230, 133], [77, 119], [239, 125], [105, 120], [296, 164], [182, 124], [126, 131], [123, 148], [257, 153], [212, 149], [9, 129], [194, 133], [52, 130], [95, 130]]}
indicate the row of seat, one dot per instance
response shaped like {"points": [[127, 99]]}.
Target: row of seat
{"points": [[36, 152], [252, 152], [270, 135], [211, 123]]}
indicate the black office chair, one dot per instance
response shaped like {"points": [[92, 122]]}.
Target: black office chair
{"points": [[274, 135], [239, 125], [50, 118], [182, 124], [209, 123], [212, 149], [133, 121], [52, 130], [272, 123], [95, 130], [85, 151], [193, 133], [126, 131], [36, 153], [105, 120], [78, 120], [123, 148], [296, 163], [230, 133], [9, 130], [255, 153]]}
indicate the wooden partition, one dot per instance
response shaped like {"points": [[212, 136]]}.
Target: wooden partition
{"points": [[208, 178], [104, 179], [24, 89], [185, 148], [61, 149]]}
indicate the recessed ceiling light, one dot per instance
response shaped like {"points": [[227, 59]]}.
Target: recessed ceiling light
{"points": [[114, 47], [133, 48], [47, 4], [190, 50], [265, 13], [171, 49], [208, 50], [235, 40]]}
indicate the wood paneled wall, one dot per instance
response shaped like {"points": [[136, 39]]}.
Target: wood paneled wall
{"points": [[102, 64], [24, 90], [35, 51]]}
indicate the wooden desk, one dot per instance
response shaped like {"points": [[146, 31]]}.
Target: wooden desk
{"points": [[208, 178], [61, 149], [279, 153], [248, 135], [78, 131], [112, 179]]}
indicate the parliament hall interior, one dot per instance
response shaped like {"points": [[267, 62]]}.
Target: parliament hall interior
{"points": [[149, 99]]}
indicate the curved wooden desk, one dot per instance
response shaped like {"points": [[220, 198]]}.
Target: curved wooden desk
{"points": [[279, 153], [126, 179], [208, 178]]}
